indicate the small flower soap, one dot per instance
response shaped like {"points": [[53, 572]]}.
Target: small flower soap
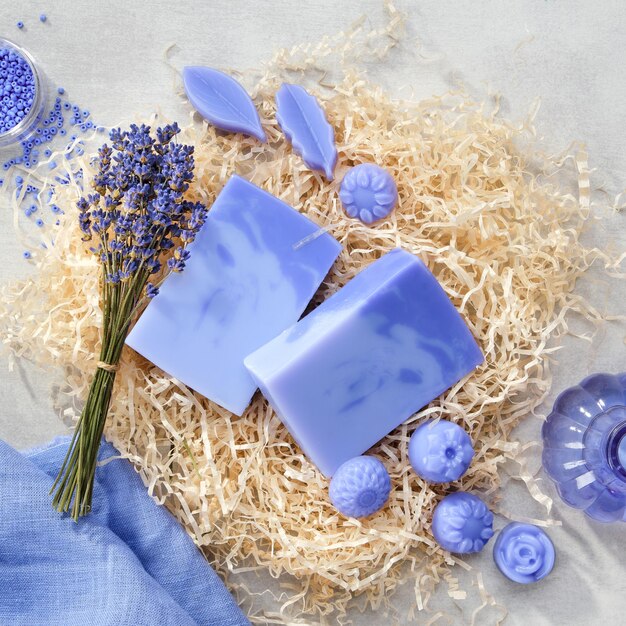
{"points": [[441, 451], [524, 553], [360, 487], [462, 523], [368, 192]]}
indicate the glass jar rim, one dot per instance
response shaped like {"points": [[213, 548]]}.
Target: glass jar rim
{"points": [[21, 129]]}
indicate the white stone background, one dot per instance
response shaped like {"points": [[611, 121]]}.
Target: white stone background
{"points": [[108, 56]]}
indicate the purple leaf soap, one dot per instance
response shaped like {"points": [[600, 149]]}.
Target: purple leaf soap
{"points": [[462, 523], [524, 553], [243, 284], [303, 121], [360, 487], [365, 360], [368, 192], [440, 452], [221, 100]]}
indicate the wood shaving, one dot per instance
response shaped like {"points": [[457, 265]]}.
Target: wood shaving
{"points": [[494, 219]]}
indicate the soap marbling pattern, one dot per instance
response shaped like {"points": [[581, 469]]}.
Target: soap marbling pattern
{"points": [[365, 360], [242, 285]]}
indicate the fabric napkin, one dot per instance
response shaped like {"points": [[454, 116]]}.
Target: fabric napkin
{"points": [[127, 563]]}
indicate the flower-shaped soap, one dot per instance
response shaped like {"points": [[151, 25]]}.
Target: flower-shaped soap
{"points": [[360, 487], [462, 523], [440, 451], [368, 192], [524, 553]]}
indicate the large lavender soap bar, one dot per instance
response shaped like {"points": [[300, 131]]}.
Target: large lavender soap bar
{"points": [[245, 282], [365, 360]]}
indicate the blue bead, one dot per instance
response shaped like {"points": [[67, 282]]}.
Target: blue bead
{"points": [[20, 25], [47, 152], [19, 180], [524, 553], [360, 487], [39, 223], [62, 132], [26, 254], [53, 165], [60, 90], [42, 17]]}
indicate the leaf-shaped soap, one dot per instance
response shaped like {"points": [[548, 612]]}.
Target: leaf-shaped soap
{"points": [[303, 121], [221, 100]]}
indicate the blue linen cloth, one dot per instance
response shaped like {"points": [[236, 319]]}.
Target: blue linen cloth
{"points": [[128, 563]]}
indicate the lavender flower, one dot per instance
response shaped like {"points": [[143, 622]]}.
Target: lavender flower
{"points": [[136, 215], [138, 211]]}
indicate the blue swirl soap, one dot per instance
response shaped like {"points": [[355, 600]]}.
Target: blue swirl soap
{"points": [[523, 553], [440, 451], [462, 523], [360, 487], [245, 282], [365, 360]]}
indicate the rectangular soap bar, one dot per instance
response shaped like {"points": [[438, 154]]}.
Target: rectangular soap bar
{"points": [[365, 360], [243, 284]]}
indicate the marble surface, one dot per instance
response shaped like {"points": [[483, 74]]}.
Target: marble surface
{"points": [[109, 56]]}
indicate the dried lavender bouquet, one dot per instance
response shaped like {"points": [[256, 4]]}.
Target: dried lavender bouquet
{"points": [[137, 220]]}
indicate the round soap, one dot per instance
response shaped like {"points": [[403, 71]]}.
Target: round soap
{"points": [[440, 451], [360, 487], [368, 192], [523, 553], [462, 523]]}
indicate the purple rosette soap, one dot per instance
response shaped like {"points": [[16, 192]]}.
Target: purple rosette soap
{"points": [[360, 487], [523, 553], [441, 451], [462, 523]]}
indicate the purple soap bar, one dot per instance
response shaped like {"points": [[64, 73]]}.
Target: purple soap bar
{"points": [[365, 360], [244, 283]]}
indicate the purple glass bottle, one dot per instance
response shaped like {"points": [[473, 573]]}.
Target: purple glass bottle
{"points": [[584, 446]]}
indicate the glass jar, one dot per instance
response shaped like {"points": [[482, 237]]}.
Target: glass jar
{"points": [[26, 127], [584, 451]]}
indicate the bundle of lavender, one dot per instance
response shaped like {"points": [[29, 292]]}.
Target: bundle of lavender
{"points": [[139, 221]]}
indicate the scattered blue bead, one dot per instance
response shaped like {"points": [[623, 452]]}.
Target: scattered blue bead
{"points": [[47, 152], [42, 17], [39, 222], [60, 90], [33, 208], [26, 254], [360, 487], [19, 180], [524, 553], [20, 25]]}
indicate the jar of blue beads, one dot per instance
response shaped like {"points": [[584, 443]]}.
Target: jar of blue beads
{"points": [[22, 94]]}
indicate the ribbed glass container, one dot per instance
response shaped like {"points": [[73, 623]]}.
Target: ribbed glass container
{"points": [[584, 446], [28, 124]]}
